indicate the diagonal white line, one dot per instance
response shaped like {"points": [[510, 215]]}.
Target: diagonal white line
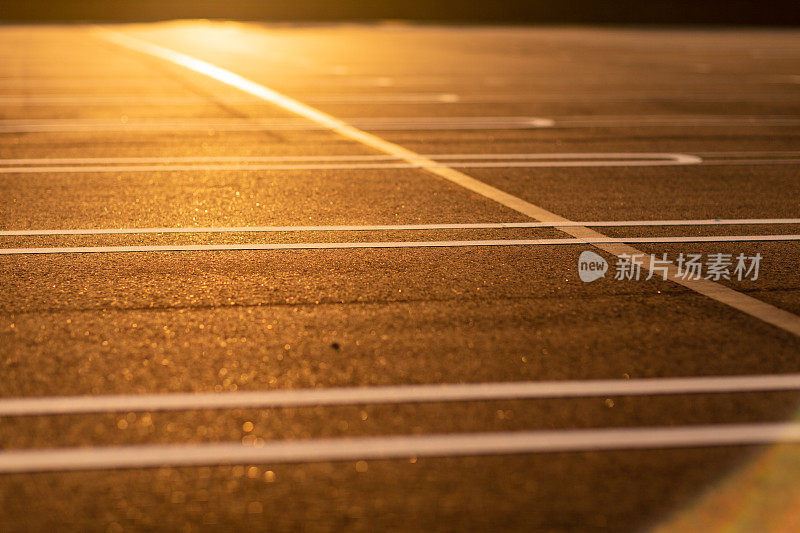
{"points": [[396, 447], [742, 302], [392, 244], [461, 392]]}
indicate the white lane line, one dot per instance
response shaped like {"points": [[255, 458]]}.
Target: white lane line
{"points": [[750, 153], [695, 157], [396, 447], [221, 159], [466, 392], [393, 244], [732, 162], [405, 227], [383, 166], [392, 98], [383, 123], [554, 156], [747, 304], [13, 166], [117, 99], [301, 82], [342, 166], [177, 100], [253, 163], [258, 124], [628, 121]]}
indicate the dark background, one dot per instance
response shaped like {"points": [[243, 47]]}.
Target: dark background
{"points": [[746, 12]]}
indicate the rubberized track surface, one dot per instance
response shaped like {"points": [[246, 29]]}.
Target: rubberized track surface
{"points": [[307, 228]]}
